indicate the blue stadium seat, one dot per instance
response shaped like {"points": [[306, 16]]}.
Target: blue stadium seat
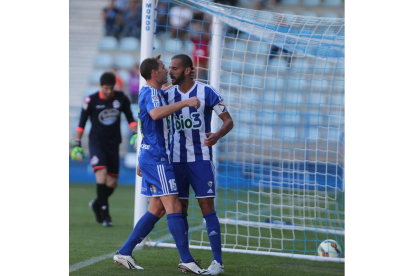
{"points": [[258, 47], [309, 13], [311, 3], [230, 78], [108, 43], [275, 83], [290, 2], [232, 66], [124, 75], [329, 15], [289, 132], [95, 76], [103, 60], [124, 61], [316, 98], [296, 85], [172, 45], [333, 3], [91, 89], [129, 44]]}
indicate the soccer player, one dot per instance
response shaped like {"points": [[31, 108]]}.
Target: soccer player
{"points": [[155, 168], [104, 108], [191, 147]]}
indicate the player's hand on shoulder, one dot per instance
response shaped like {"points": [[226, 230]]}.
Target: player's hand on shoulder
{"points": [[167, 86], [211, 139], [77, 151], [192, 73], [193, 102]]}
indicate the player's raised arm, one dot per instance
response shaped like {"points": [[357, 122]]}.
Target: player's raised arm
{"points": [[164, 111]]}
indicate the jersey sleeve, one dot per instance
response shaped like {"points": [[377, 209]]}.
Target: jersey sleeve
{"points": [[127, 110], [152, 100], [86, 111], [213, 98]]}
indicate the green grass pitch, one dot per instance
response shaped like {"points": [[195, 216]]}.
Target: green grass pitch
{"points": [[91, 245]]}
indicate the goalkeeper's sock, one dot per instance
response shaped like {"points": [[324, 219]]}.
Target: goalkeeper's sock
{"points": [[109, 191], [214, 235], [180, 235], [102, 199], [141, 230]]}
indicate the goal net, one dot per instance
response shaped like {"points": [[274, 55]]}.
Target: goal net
{"points": [[280, 171]]}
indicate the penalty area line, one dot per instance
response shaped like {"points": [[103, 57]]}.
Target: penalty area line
{"points": [[89, 262]]}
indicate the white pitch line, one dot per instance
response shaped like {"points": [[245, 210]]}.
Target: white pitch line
{"points": [[89, 262]]}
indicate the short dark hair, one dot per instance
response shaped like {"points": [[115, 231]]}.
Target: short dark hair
{"points": [[108, 78], [185, 60], [148, 65]]}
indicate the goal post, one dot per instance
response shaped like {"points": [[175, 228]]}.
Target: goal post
{"points": [[280, 171]]}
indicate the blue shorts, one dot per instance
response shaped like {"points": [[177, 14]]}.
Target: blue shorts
{"points": [[199, 174], [158, 180]]}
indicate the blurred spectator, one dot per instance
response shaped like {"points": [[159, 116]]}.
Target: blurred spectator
{"points": [[132, 19], [276, 50], [162, 10], [112, 17], [201, 39], [227, 2], [265, 4], [180, 17], [121, 4], [134, 83], [119, 84]]}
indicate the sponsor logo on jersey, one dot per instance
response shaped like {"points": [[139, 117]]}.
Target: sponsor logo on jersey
{"points": [[116, 104], [86, 103], [195, 122], [210, 191], [94, 160], [143, 189], [155, 99], [100, 106], [212, 233], [108, 116], [144, 146]]}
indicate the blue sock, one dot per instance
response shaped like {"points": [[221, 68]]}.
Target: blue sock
{"points": [[214, 234], [180, 235], [185, 221], [141, 230]]}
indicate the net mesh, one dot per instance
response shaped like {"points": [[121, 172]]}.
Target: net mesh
{"points": [[280, 171]]}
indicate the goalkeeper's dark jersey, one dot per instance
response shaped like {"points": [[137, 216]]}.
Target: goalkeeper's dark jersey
{"points": [[105, 116]]}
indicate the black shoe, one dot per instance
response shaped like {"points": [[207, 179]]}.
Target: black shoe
{"points": [[107, 221], [96, 210]]}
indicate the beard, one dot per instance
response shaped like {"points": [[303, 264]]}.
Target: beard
{"points": [[178, 80]]}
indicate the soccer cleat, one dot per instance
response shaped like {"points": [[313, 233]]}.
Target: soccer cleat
{"points": [[127, 261], [107, 221], [192, 267], [216, 268], [95, 208]]}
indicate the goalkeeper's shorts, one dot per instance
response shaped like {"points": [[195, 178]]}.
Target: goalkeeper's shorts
{"points": [[104, 157], [199, 174]]}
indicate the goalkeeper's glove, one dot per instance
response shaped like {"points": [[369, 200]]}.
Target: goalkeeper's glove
{"points": [[77, 151], [133, 141]]}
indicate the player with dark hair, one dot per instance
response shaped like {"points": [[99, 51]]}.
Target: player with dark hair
{"points": [[154, 166], [191, 147], [104, 108]]}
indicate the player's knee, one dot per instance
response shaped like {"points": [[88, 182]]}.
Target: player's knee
{"points": [[184, 205], [206, 205]]}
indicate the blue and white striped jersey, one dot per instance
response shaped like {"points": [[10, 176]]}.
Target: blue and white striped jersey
{"points": [[190, 125], [156, 135]]}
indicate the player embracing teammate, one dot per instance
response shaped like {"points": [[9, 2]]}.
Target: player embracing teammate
{"points": [[191, 147]]}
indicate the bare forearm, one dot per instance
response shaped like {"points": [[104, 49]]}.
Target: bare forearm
{"points": [[164, 111], [225, 128]]}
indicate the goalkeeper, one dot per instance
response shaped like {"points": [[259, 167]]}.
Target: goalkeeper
{"points": [[104, 108]]}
